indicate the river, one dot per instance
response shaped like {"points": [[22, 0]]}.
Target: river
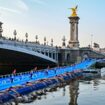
{"points": [[78, 92]]}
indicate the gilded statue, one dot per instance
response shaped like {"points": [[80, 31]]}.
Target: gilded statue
{"points": [[74, 11]]}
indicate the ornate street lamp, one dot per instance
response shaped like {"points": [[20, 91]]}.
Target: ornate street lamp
{"points": [[1, 30], [14, 33], [44, 40], [26, 35], [63, 43], [51, 42], [36, 37]]}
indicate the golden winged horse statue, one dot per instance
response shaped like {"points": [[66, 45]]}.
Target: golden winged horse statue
{"points": [[74, 11]]}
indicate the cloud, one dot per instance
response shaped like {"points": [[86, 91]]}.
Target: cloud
{"points": [[13, 6], [39, 1], [9, 10], [22, 5]]}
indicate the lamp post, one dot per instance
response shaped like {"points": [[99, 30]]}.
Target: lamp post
{"points": [[26, 35], [44, 40], [36, 37], [14, 33], [51, 42], [63, 43], [1, 30]]}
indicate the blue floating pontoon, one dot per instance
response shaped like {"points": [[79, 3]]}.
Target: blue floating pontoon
{"points": [[21, 78], [40, 79]]}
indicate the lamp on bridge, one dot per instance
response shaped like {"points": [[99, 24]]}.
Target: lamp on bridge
{"points": [[1, 30], [44, 40], [36, 37], [14, 33], [63, 43], [51, 42], [26, 35]]}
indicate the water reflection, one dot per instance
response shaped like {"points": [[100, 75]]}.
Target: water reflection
{"points": [[78, 92], [74, 92], [64, 91], [96, 82], [58, 95]]}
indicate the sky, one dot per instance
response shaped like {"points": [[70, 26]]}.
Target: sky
{"points": [[49, 18]]}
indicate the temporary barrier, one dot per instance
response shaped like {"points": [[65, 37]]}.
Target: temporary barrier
{"points": [[18, 79], [42, 79], [40, 84]]}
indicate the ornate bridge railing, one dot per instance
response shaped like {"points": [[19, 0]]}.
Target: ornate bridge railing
{"points": [[49, 51]]}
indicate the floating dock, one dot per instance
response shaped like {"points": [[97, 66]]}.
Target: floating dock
{"points": [[14, 86]]}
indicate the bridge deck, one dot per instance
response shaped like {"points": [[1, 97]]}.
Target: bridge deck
{"points": [[11, 81]]}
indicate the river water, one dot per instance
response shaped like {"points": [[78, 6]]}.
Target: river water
{"points": [[79, 92]]}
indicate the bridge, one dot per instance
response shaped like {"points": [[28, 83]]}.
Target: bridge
{"points": [[27, 54], [30, 53], [20, 53]]}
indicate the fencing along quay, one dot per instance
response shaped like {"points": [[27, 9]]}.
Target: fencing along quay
{"points": [[14, 88]]}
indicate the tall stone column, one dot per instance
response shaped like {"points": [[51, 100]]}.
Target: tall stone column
{"points": [[74, 19]]}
